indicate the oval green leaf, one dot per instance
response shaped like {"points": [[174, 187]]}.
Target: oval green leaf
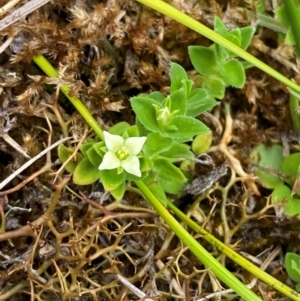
{"points": [[270, 157], [64, 153], [145, 112], [111, 179], [292, 265], [178, 74], [203, 59], [85, 173], [233, 73]]}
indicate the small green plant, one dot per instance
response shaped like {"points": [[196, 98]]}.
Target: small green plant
{"points": [[279, 173], [292, 266], [149, 149], [218, 66]]}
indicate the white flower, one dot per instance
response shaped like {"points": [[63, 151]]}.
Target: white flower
{"points": [[122, 153]]}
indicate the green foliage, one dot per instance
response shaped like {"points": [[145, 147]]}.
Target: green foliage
{"points": [[280, 174], [202, 143], [268, 157], [150, 149], [172, 117], [218, 67], [283, 17], [292, 266], [64, 153]]}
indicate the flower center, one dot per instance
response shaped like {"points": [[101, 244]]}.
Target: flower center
{"points": [[122, 154]]}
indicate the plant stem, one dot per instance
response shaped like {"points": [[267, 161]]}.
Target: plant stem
{"points": [[189, 22], [271, 23], [294, 105], [292, 10], [44, 64], [205, 257], [251, 268]]}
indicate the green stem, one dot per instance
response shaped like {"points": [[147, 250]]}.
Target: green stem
{"points": [[271, 23], [251, 268], [294, 105], [44, 64], [292, 10], [205, 257], [189, 22]]}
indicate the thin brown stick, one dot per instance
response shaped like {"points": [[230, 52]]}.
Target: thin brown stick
{"points": [[21, 12]]}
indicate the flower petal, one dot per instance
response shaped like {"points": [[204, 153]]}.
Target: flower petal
{"points": [[113, 142], [110, 161], [134, 145], [132, 165]]}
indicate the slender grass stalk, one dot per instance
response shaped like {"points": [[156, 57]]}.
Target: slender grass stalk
{"points": [[292, 10], [251, 268], [205, 257], [271, 23], [44, 64], [189, 22], [294, 111]]}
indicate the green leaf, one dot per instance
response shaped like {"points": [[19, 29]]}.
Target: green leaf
{"points": [[188, 127], [85, 147], [142, 130], [246, 65], [178, 151], [98, 148], [118, 192], [269, 157], [186, 166], [283, 194], [219, 26], [292, 266], [260, 6], [234, 36], [119, 128], [157, 96], [85, 173], [203, 59], [201, 143], [281, 14], [289, 38], [111, 179], [145, 165], [290, 167], [64, 153], [187, 86], [133, 131], [145, 112], [168, 172], [233, 73], [178, 75], [215, 86], [156, 188], [178, 101], [246, 36], [94, 157], [199, 102], [222, 54], [172, 187], [156, 143]]}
